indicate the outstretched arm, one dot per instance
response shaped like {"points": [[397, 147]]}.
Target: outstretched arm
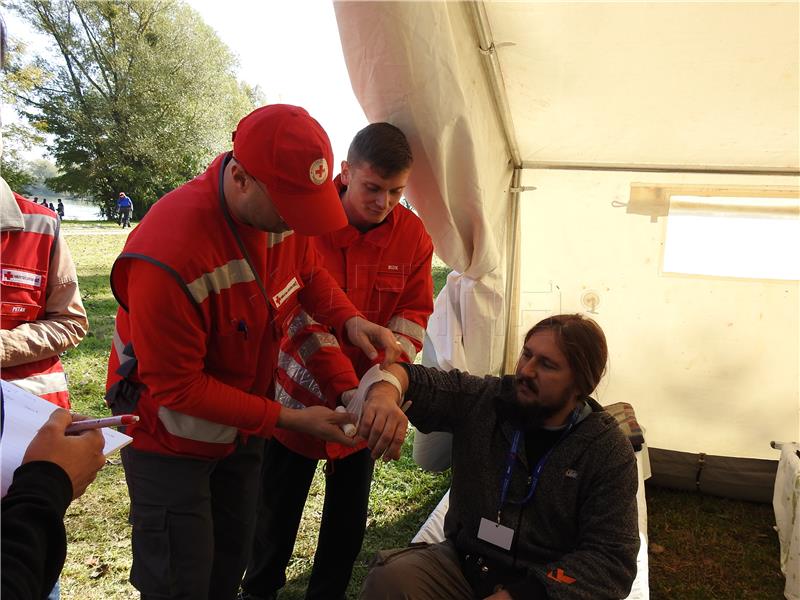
{"points": [[383, 422]]}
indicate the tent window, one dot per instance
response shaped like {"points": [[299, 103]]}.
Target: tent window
{"points": [[754, 238]]}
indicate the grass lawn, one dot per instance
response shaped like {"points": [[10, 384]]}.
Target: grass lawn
{"points": [[705, 548]]}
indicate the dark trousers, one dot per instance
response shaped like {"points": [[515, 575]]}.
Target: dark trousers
{"points": [[286, 479], [192, 522]]}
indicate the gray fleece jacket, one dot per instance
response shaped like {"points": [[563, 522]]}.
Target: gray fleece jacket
{"points": [[577, 538]]}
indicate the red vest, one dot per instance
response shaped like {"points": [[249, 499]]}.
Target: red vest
{"points": [[186, 234], [25, 257]]}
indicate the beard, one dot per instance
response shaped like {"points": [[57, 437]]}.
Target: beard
{"points": [[524, 414]]}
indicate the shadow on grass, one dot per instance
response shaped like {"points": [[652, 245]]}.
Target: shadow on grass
{"points": [[401, 498], [394, 534]]}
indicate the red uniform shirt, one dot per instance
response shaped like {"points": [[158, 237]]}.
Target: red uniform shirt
{"points": [[386, 273]]}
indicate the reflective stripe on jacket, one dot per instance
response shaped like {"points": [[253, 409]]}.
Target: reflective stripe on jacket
{"points": [[205, 281], [25, 256], [386, 273]]}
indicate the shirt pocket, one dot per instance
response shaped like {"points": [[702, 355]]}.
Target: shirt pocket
{"points": [[232, 348], [388, 287], [22, 292]]}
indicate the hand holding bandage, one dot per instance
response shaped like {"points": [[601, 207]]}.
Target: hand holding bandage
{"points": [[349, 404], [383, 423]]}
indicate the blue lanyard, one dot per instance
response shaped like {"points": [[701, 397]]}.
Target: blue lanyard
{"points": [[511, 460]]}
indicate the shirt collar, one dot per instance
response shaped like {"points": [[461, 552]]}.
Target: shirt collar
{"points": [[10, 214]]}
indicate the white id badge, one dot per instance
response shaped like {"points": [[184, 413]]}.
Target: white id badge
{"points": [[494, 533]]}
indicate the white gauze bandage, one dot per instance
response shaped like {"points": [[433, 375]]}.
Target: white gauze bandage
{"points": [[354, 403]]}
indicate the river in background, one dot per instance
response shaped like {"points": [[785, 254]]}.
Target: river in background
{"points": [[77, 210]]}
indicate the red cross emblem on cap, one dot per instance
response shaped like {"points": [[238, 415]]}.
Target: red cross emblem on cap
{"points": [[318, 171]]}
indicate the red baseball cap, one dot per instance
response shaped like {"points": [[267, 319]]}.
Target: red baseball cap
{"points": [[288, 151]]}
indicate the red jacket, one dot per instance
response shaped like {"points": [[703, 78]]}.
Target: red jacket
{"points": [[25, 257], [386, 273], [196, 337]]}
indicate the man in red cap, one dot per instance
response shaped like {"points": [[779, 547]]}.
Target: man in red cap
{"points": [[205, 285]]}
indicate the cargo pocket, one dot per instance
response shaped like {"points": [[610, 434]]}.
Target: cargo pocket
{"points": [[150, 572]]}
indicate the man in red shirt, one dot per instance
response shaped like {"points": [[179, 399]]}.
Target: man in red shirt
{"points": [[382, 259], [205, 284]]}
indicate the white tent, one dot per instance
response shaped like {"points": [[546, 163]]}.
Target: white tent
{"points": [[552, 142]]}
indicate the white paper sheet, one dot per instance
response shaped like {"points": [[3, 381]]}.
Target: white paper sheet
{"points": [[24, 414]]}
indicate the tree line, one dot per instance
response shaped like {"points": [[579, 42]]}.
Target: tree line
{"points": [[130, 95]]}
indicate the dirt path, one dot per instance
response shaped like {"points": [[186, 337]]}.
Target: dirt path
{"points": [[81, 230]]}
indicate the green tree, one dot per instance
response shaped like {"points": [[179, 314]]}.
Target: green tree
{"points": [[18, 173], [138, 95]]}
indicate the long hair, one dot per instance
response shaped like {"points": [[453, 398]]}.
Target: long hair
{"points": [[583, 343]]}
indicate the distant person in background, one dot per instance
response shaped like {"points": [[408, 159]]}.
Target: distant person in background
{"points": [[125, 206], [36, 199], [51, 207], [60, 209]]}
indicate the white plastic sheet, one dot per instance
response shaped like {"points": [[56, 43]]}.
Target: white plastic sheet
{"points": [[786, 503]]}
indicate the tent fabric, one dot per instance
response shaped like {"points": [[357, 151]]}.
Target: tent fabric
{"points": [[414, 64], [689, 84], [598, 93], [711, 363], [747, 479], [786, 503]]}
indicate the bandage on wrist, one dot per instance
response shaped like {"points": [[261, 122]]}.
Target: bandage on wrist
{"points": [[376, 375]]}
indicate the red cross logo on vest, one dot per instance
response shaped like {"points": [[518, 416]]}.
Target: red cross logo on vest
{"points": [[318, 171]]}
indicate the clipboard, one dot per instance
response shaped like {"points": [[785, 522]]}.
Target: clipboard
{"points": [[23, 415]]}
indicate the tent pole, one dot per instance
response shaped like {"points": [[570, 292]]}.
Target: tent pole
{"points": [[511, 301], [492, 63], [700, 169]]}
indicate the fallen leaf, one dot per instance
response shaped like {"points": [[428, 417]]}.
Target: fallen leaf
{"points": [[656, 548], [101, 570]]}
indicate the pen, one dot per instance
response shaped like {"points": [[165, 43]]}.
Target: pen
{"points": [[78, 426]]}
